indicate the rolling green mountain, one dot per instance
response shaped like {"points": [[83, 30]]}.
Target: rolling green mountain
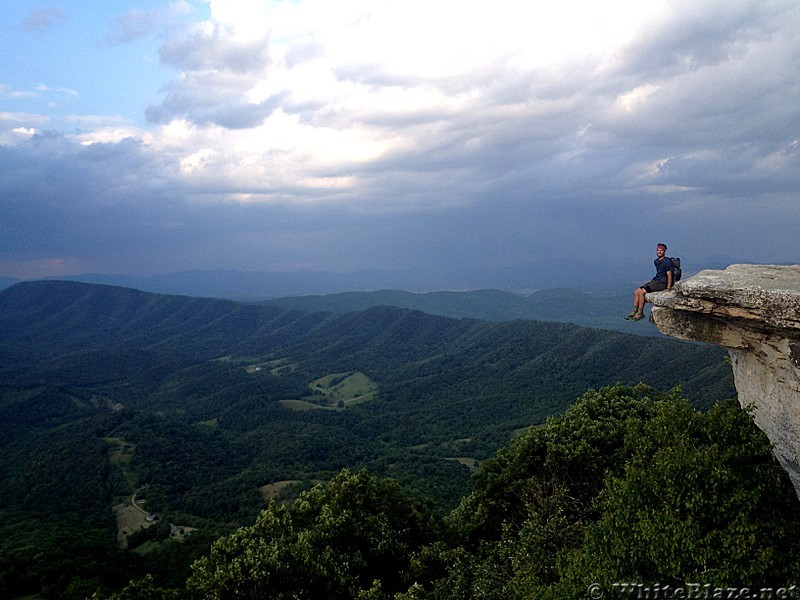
{"points": [[143, 336], [596, 310], [203, 408]]}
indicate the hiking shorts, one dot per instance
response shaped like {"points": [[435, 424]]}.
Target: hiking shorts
{"points": [[654, 285]]}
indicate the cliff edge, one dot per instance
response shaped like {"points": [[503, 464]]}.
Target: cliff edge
{"points": [[754, 312]]}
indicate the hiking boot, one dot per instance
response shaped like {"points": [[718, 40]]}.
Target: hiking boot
{"points": [[637, 317]]}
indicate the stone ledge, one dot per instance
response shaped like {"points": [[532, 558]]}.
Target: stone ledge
{"points": [[754, 312], [766, 294]]}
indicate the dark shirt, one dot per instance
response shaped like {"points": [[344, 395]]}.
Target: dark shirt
{"points": [[662, 266]]}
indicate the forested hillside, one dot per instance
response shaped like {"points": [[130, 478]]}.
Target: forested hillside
{"points": [[630, 494], [205, 408], [597, 310]]}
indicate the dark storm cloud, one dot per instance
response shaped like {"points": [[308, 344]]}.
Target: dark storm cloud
{"points": [[124, 203], [705, 34], [687, 133], [59, 196]]}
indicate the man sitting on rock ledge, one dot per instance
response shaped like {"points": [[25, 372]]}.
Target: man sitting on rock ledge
{"points": [[662, 281]]}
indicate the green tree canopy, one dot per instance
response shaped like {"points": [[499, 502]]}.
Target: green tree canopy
{"points": [[355, 534], [628, 485]]}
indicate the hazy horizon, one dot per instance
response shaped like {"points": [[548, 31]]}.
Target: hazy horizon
{"points": [[524, 279]]}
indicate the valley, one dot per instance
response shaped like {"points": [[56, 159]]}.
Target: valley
{"points": [[213, 407]]}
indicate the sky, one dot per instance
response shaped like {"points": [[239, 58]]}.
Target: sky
{"points": [[150, 137]]}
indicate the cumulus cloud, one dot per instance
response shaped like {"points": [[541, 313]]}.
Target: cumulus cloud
{"points": [[360, 134], [137, 23], [677, 78], [16, 127]]}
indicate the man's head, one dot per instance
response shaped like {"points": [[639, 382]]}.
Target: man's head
{"points": [[661, 250], [662, 247]]}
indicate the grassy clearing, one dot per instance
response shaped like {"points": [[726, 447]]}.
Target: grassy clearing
{"points": [[336, 391], [129, 520], [350, 388]]}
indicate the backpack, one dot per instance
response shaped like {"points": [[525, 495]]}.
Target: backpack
{"points": [[676, 269]]}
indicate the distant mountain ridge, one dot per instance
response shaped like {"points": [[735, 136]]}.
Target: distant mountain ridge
{"points": [[260, 285], [7, 282], [587, 309], [64, 317], [595, 310], [550, 290]]}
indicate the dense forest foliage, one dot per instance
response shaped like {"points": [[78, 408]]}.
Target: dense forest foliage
{"points": [[198, 412], [629, 485]]}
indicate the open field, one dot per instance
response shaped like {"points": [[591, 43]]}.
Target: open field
{"points": [[335, 391], [130, 518], [349, 388], [346, 385]]}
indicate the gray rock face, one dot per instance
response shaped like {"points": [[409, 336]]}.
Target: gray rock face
{"points": [[754, 312]]}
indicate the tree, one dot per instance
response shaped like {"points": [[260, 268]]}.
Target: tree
{"points": [[355, 535], [628, 485], [533, 500], [701, 499]]}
